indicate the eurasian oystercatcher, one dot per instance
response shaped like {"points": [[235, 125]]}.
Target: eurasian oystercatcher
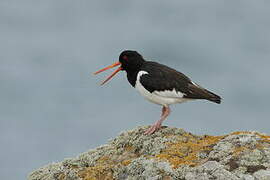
{"points": [[158, 83]]}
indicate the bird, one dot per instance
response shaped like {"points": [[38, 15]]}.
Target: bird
{"points": [[158, 84]]}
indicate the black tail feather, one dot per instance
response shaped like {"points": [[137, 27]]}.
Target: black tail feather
{"points": [[198, 92], [213, 97]]}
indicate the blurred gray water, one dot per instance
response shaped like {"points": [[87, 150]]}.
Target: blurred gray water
{"points": [[51, 106]]}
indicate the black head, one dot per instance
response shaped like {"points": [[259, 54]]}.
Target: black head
{"points": [[131, 60]]}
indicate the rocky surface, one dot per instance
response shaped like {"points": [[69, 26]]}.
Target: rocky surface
{"points": [[168, 154]]}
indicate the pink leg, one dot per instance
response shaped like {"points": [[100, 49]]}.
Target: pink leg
{"points": [[155, 127]]}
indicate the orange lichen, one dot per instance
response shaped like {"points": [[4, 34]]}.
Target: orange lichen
{"points": [[167, 178], [103, 159], [237, 151], [264, 138], [240, 132], [61, 176], [129, 148], [126, 162], [102, 170], [96, 173], [186, 153], [105, 164]]}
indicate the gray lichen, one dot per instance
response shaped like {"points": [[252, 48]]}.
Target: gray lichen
{"points": [[170, 153]]}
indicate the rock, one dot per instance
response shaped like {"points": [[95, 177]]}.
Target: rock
{"points": [[262, 175], [210, 170], [168, 154]]}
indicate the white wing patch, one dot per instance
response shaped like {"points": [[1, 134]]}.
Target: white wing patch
{"points": [[170, 93]]}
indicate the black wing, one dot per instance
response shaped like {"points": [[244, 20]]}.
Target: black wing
{"points": [[161, 78]]}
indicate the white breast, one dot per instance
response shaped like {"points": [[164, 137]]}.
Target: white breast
{"points": [[164, 98]]}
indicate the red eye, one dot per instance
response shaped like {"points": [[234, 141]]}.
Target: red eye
{"points": [[125, 57]]}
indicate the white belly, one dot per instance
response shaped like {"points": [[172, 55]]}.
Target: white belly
{"points": [[164, 98]]}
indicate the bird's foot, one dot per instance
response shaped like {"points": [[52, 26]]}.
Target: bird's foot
{"points": [[155, 127]]}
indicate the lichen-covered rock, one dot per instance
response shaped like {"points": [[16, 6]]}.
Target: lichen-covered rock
{"points": [[210, 170], [262, 174], [168, 154]]}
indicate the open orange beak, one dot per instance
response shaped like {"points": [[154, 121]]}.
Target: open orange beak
{"points": [[113, 74]]}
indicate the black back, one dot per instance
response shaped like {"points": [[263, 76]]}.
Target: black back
{"points": [[161, 78]]}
